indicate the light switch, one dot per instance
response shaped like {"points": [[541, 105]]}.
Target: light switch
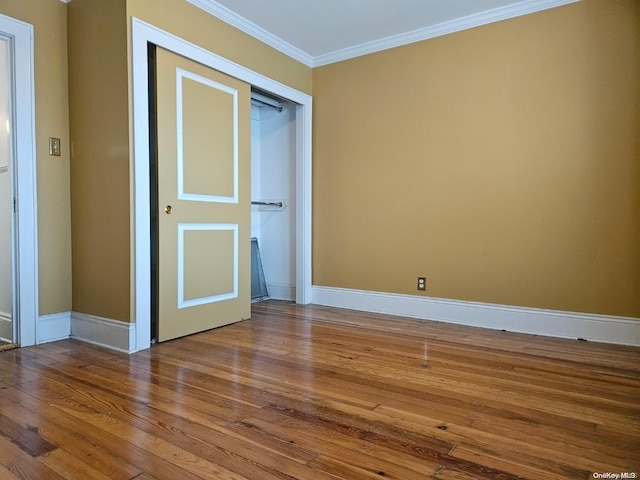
{"points": [[54, 146]]}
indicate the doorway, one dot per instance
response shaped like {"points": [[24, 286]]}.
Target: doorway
{"points": [[142, 35], [7, 276], [18, 239], [273, 194]]}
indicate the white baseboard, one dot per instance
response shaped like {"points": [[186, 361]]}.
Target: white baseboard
{"points": [[552, 323], [53, 327], [6, 327], [281, 291], [112, 334]]}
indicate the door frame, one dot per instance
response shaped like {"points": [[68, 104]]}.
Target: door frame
{"points": [[143, 33], [23, 165]]}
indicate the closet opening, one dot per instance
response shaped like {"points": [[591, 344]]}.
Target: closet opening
{"points": [[273, 197]]}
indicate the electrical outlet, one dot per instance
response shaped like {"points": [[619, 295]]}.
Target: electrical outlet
{"points": [[422, 283]]}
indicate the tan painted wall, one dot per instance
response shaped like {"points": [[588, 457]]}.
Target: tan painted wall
{"points": [[52, 120], [98, 75], [503, 163], [100, 114], [194, 25]]}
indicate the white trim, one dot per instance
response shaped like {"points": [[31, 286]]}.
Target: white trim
{"points": [[250, 28], [464, 23], [197, 197], [104, 332], [6, 317], [54, 327], [553, 323], [26, 221], [304, 174], [141, 34], [185, 227], [459, 24]]}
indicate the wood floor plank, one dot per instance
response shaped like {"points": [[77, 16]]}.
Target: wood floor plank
{"points": [[613, 450], [519, 469], [350, 469], [522, 438], [7, 474], [166, 460], [12, 373], [338, 446], [310, 392], [179, 433], [27, 439], [23, 465], [71, 467], [206, 413], [80, 446], [450, 474], [124, 423]]}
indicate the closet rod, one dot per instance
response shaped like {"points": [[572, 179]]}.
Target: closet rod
{"points": [[268, 204]]}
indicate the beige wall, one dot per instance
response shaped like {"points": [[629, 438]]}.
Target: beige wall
{"points": [[100, 157], [194, 25], [101, 136], [52, 120], [502, 162]]}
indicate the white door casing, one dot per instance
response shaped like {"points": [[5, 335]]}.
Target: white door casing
{"points": [[20, 36], [142, 34]]}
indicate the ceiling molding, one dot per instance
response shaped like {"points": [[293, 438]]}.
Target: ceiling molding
{"points": [[241, 23], [483, 18], [445, 28]]}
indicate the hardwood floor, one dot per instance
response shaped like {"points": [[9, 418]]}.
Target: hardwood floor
{"points": [[320, 393], [7, 346]]}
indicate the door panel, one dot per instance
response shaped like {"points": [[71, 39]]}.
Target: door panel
{"points": [[206, 126], [203, 125]]}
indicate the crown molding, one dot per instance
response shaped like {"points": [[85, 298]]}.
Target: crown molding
{"points": [[464, 23], [483, 18], [223, 13]]}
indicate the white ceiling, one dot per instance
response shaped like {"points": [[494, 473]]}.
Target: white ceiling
{"points": [[319, 32]]}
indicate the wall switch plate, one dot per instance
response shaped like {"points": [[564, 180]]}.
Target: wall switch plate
{"points": [[54, 146], [422, 283]]}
